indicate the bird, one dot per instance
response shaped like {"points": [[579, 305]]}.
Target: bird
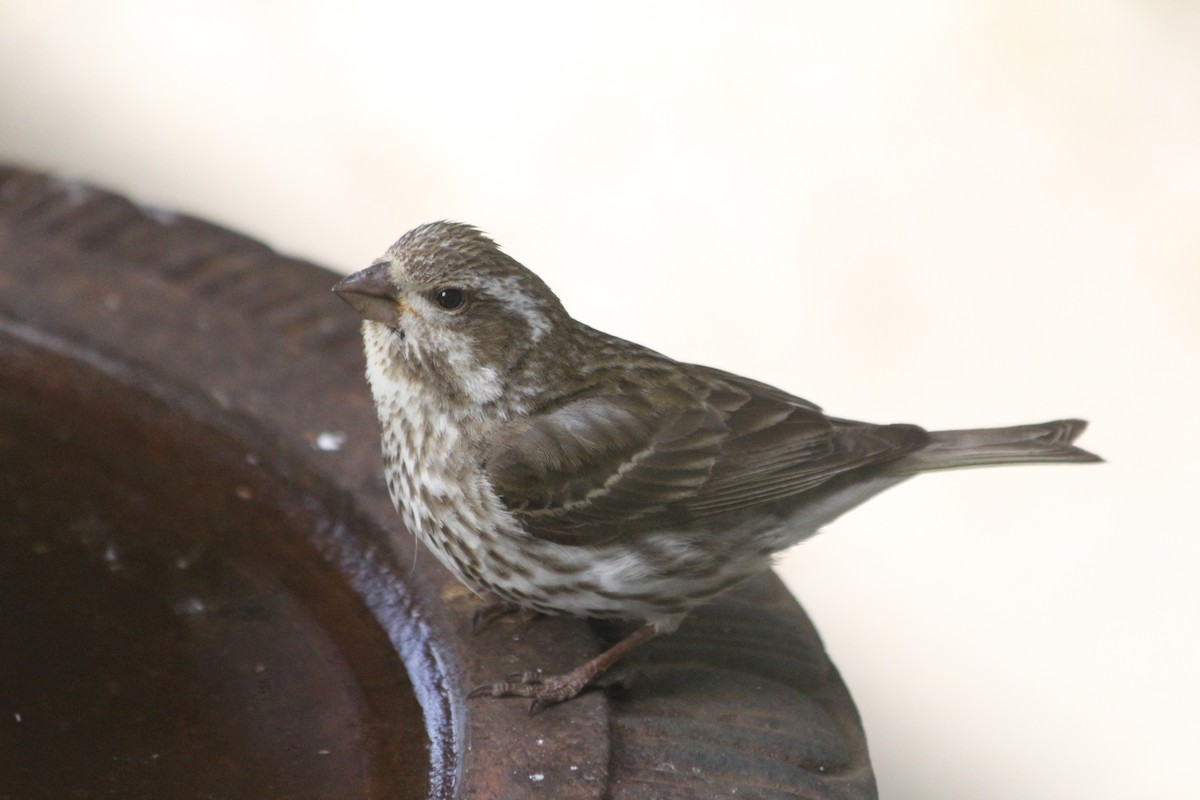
{"points": [[558, 470]]}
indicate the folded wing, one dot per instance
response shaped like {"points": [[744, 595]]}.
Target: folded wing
{"points": [[625, 458]]}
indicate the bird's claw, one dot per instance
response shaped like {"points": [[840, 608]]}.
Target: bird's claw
{"points": [[548, 690], [485, 615], [542, 690]]}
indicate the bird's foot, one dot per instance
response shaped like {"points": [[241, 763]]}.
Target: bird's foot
{"points": [[546, 690], [543, 690], [485, 615]]}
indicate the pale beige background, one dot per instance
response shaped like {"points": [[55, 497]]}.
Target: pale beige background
{"points": [[953, 213]]}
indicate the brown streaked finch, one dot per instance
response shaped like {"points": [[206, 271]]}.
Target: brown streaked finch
{"points": [[556, 469]]}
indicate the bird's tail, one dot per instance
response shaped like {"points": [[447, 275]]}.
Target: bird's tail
{"points": [[1021, 444]]}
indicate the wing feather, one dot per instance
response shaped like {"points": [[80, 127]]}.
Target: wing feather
{"points": [[616, 462]]}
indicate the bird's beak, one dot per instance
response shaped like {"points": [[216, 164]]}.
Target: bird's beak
{"points": [[371, 293]]}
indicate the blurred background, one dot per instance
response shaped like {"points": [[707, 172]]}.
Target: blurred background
{"points": [[950, 213]]}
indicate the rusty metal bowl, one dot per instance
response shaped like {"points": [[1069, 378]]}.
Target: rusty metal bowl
{"points": [[204, 590]]}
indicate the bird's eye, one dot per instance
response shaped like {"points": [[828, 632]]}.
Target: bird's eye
{"points": [[450, 298]]}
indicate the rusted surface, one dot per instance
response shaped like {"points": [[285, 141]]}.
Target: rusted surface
{"points": [[211, 396]]}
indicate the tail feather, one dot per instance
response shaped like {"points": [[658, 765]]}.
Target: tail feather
{"points": [[1021, 444]]}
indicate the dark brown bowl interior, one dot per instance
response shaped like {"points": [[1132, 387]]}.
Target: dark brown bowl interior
{"points": [[167, 629]]}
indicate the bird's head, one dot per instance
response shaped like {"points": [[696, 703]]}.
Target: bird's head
{"points": [[446, 306]]}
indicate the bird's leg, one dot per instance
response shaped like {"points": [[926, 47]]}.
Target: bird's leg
{"points": [[493, 610], [546, 690]]}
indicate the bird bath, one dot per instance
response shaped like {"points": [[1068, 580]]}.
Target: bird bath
{"points": [[167, 630], [204, 590]]}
